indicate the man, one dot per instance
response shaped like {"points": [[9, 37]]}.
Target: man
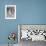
{"points": [[10, 11]]}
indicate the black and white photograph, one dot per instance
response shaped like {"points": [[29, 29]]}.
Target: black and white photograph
{"points": [[29, 34], [10, 11]]}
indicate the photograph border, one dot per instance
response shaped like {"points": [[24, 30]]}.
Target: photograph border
{"points": [[6, 11]]}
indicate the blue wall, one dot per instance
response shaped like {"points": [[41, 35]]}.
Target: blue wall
{"points": [[27, 12]]}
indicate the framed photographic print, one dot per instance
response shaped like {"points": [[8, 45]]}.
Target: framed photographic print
{"points": [[33, 32], [10, 11]]}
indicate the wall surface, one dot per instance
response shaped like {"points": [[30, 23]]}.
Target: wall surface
{"points": [[27, 12]]}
